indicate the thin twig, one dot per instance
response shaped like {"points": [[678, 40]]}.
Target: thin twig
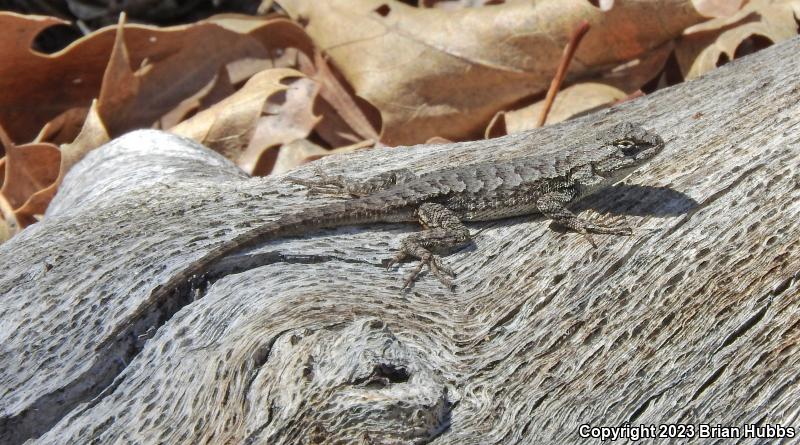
{"points": [[566, 57]]}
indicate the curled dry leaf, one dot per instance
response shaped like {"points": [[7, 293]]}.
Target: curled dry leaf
{"points": [[257, 117], [28, 169], [197, 56], [64, 128], [344, 120], [287, 117], [703, 46], [93, 134], [34, 171], [165, 67], [445, 73], [120, 84], [216, 90], [28, 78]]}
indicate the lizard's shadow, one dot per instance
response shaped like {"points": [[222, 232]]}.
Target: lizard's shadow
{"points": [[637, 200]]}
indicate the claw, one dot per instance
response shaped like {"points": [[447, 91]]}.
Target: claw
{"points": [[444, 273], [590, 228], [413, 275], [589, 238], [399, 256], [438, 267], [447, 281]]}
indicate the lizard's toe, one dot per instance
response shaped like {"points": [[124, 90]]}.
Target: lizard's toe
{"points": [[413, 275], [438, 267], [588, 237], [396, 259], [447, 281]]}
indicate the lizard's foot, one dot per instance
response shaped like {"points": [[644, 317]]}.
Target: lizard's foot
{"points": [[444, 273], [444, 232], [588, 228], [552, 205], [615, 226]]}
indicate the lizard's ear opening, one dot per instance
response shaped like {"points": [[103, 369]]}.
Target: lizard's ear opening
{"points": [[621, 132]]}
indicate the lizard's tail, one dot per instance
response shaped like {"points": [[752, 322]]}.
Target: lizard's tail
{"points": [[335, 214], [355, 211]]}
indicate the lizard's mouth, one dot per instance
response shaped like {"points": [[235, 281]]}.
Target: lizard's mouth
{"points": [[615, 168], [651, 151]]}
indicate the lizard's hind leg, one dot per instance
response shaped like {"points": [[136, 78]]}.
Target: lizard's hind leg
{"points": [[443, 231], [342, 186]]}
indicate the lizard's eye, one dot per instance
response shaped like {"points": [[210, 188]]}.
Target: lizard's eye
{"points": [[627, 146], [624, 143]]}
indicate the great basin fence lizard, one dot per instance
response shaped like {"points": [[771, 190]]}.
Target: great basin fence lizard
{"points": [[441, 201]]}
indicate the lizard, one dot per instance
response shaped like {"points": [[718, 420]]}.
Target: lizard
{"points": [[442, 200], [543, 183]]}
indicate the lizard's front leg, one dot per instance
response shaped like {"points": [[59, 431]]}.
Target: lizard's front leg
{"points": [[553, 206], [443, 230], [342, 186]]}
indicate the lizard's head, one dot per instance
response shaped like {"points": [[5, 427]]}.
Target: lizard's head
{"points": [[627, 146]]}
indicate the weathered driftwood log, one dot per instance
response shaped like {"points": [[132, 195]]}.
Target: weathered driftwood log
{"points": [[692, 320]]}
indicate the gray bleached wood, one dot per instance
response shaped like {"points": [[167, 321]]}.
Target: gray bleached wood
{"points": [[692, 319]]}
